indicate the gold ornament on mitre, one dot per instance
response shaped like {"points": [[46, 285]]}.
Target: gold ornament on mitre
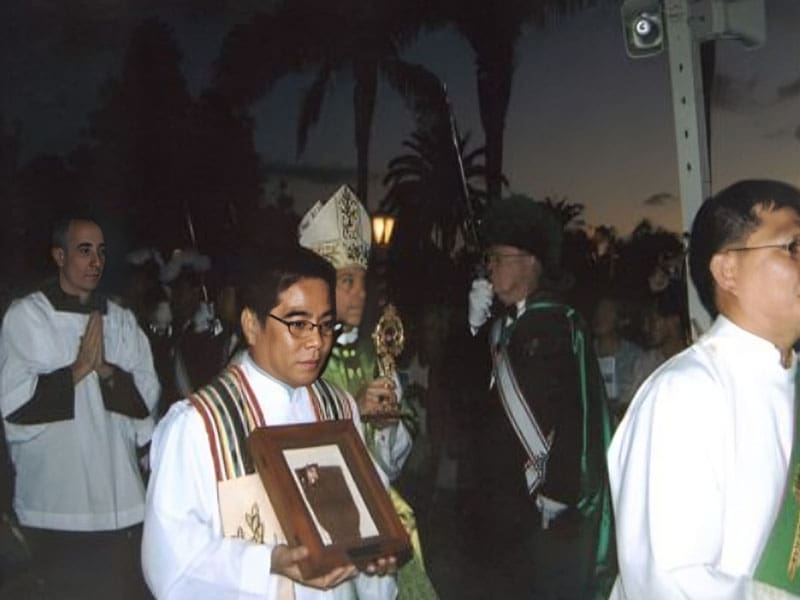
{"points": [[338, 229], [389, 340]]}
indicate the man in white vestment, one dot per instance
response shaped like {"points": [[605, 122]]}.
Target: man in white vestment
{"points": [[699, 463], [77, 390], [209, 530]]}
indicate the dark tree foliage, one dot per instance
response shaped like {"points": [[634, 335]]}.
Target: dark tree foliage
{"points": [[426, 190], [567, 213], [162, 164], [224, 184], [280, 219], [493, 28], [362, 38], [135, 165], [45, 189], [28, 195], [644, 249]]}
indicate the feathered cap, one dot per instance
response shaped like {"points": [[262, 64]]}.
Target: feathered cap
{"points": [[338, 229], [521, 222], [189, 261]]}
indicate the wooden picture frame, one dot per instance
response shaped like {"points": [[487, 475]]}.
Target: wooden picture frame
{"points": [[327, 495]]}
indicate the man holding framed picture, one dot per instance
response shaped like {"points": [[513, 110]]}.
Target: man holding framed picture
{"points": [[210, 531]]}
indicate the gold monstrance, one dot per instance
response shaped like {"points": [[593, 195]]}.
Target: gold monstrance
{"points": [[389, 340]]}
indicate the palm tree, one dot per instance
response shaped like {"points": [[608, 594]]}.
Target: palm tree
{"points": [[329, 36], [425, 189], [566, 212], [493, 28]]}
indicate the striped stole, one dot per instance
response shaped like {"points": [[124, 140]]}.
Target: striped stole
{"points": [[330, 402], [230, 412]]}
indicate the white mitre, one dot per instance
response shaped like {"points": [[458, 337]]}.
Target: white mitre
{"points": [[338, 229]]}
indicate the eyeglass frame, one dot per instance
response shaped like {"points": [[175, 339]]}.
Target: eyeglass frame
{"points": [[305, 323], [792, 248]]}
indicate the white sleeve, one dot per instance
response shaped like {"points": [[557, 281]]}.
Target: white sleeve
{"points": [[28, 348], [128, 348], [391, 447], [371, 587], [665, 468], [184, 555]]}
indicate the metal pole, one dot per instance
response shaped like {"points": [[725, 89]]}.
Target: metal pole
{"points": [[690, 129]]}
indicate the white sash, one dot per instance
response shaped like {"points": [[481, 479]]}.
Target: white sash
{"points": [[536, 444]]}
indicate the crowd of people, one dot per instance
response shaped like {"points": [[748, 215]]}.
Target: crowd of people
{"points": [[588, 446]]}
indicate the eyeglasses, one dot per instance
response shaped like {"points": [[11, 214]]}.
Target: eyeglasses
{"points": [[496, 257], [302, 328], [793, 248]]}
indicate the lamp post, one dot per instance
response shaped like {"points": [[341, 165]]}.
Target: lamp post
{"points": [[382, 232]]}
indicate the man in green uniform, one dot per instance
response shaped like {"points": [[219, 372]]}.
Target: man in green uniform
{"points": [[543, 432]]}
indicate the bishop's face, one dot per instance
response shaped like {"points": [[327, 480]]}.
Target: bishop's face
{"points": [[351, 295]]}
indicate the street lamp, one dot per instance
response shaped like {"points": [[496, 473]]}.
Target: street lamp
{"points": [[382, 230]]}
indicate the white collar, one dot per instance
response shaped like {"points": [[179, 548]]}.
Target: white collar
{"points": [[259, 378], [757, 348], [347, 337]]}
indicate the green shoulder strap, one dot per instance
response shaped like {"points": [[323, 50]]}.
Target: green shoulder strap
{"points": [[779, 565]]}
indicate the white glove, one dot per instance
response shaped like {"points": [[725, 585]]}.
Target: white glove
{"points": [[161, 319], [480, 303], [203, 317]]}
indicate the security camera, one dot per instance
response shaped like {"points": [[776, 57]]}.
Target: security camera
{"points": [[643, 25]]}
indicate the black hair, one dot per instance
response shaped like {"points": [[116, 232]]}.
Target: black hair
{"points": [[730, 217], [264, 278], [60, 234]]}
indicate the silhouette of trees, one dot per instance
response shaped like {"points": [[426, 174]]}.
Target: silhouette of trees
{"points": [[425, 189], [134, 165], [280, 215], [493, 28], [566, 212], [645, 248], [224, 184], [362, 37], [9, 156], [21, 191], [154, 155]]}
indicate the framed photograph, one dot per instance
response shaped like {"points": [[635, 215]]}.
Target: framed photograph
{"points": [[327, 495]]}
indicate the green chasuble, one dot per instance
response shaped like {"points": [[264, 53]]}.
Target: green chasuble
{"points": [[779, 565], [352, 367]]}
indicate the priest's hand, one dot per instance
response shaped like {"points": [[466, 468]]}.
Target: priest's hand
{"points": [[378, 403], [386, 565], [103, 369], [90, 350], [285, 562]]}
